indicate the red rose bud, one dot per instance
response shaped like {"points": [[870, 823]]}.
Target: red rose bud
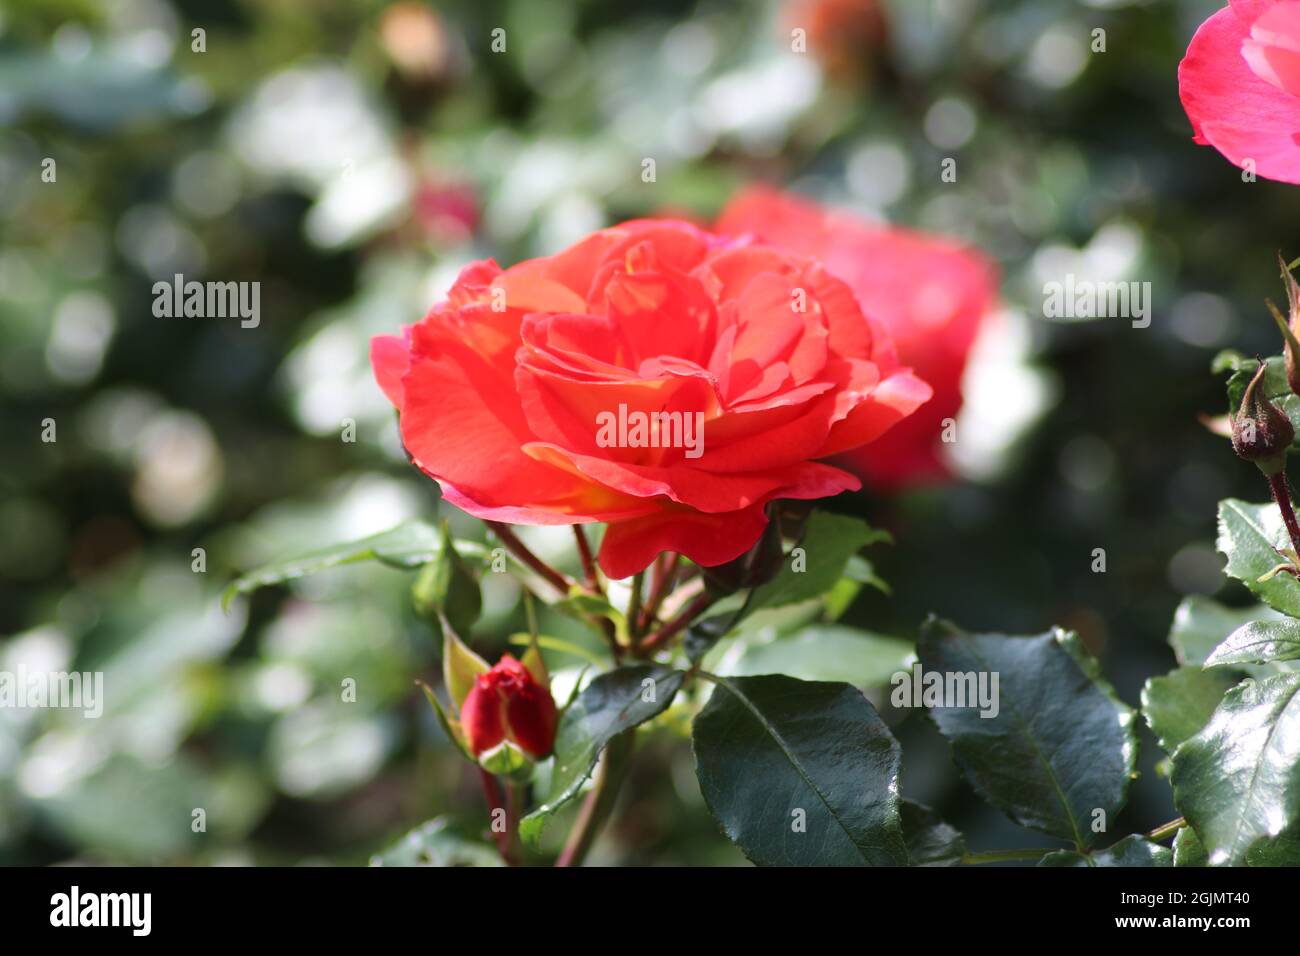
{"points": [[508, 706], [1261, 433]]}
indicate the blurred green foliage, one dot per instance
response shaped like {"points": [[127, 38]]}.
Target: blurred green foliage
{"points": [[351, 157]]}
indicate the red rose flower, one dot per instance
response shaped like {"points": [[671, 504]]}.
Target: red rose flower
{"points": [[932, 294], [655, 377], [507, 703], [1240, 86], [842, 34]]}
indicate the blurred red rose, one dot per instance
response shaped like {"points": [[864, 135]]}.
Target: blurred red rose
{"points": [[841, 34], [507, 703], [1240, 86], [932, 295], [446, 212], [653, 376]]}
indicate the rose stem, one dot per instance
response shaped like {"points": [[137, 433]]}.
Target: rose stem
{"points": [[1282, 495], [520, 550], [676, 625], [665, 572], [605, 784], [588, 563], [512, 816], [493, 794], [634, 606], [1166, 830]]}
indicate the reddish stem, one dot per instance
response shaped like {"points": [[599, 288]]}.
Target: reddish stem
{"points": [[504, 838], [678, 624], [532, 561], [1282, 495], [588, 562], [665, 572]]}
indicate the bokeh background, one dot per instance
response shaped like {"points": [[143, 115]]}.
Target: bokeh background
{"points": [[351, 157]]}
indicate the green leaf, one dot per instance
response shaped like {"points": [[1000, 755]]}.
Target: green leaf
{"points": [[1248, 535], [560, 646], [506, 760], [800, 773], [437, 843], [1259, 642], [449, 726], [534, 663], [930, 841], [1179, 704], [1238, 781], [1231, 360], [829, 652], [1283, 851], [1061, 745], [583, 606], [1188, 850], [460, 666], [1131, 851], [612, 703], [703, 634], [445, 587], [818, 561], [1200, 625], [406, 546]]}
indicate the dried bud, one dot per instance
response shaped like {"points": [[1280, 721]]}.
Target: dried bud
{"points": [[1260, 432], [508, 711]]}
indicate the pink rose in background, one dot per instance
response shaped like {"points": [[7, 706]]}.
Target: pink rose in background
{"points": [[1240, 86], [932, 294]]}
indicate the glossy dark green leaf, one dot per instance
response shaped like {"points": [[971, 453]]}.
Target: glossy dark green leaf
{"points": [[1131, 851], [1201, 624], [1283, 850], [706, 632], [818, 561], [406, 546], [1259, 642], [1179, 704], [930, 841], [1238, 781], [612, 703], [1061, 745], [1248, 537], [437, 843], [800, 773], [829, 652], [1188, 850]]}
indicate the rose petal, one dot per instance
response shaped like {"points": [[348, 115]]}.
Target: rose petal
{"points": [[1231, 108], [708, 540]]}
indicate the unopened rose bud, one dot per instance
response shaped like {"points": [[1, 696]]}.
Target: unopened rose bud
{"points": [[1261, 433], [506, 710], [756, 566]]}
